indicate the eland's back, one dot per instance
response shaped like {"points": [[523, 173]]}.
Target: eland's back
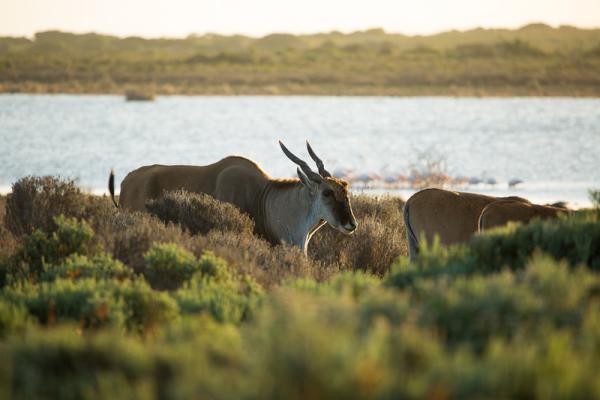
{"points": [[451, 216], [501, 212], [150, 182]]}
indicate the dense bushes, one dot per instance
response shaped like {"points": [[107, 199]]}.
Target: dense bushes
{"points": [[205, 286], [115, 304], [200, 213], [575, 239], [77, 266], [53, 364], [35, 201], [94, 303], [13, 319], [215, 290], [168, 266], [128, 236], [373, 247], [471, 310]]}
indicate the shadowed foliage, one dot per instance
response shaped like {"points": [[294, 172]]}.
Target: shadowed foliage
{"points": [[199, 213], [99, 303], [379, 240], [35, 201]]}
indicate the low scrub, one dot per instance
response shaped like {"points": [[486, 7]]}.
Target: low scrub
{"points": [[131, 235], [215, 290], [378, 241], [200, 213], [53, 364], [113, 304], [77, 266], [471, 310], [575, 239], [35, 201], [93, 303], [14, 319], [169, 266], [269, 265], [41, 249]]}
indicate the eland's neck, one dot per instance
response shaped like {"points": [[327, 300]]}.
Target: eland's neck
{"points": [[291, 215]]}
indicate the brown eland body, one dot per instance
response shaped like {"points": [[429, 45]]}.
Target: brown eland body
{"points": [[453, 216], [501, 212], [287, 211]]}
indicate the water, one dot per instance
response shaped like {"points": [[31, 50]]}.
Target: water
{"points": [[552, 144]]}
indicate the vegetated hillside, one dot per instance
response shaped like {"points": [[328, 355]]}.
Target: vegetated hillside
{"points": [[533, 60], [98, 303]]}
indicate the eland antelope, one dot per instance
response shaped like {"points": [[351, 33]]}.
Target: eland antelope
{"points": [[456, 216], [501, 212], [283, 210], [453, 216]]}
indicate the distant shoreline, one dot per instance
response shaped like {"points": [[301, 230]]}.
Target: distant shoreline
{"points": [[305, 90]]}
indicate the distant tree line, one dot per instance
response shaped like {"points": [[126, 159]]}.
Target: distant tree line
{"points": [[535, 59]]}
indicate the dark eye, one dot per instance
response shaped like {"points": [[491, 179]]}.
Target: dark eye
{"points": [[328, 193]]}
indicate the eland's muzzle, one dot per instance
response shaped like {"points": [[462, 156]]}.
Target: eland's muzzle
{"points": [[350, 227]]}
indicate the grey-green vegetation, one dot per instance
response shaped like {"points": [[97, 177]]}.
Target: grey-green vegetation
{"points": [[96, 303], [533, 60]]}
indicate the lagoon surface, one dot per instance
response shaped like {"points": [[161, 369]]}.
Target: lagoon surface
{"points": [[552, 144]]}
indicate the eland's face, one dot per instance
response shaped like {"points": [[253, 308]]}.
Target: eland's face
{"points": [[329, 195], [335, 205]]}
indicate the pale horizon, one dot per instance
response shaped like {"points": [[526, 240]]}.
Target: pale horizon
{"points": [[181, 18]]}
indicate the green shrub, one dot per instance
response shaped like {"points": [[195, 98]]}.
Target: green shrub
{"points": [[471, 310], [314, 347], [200, 213], [268, 265], [131, 235], [168, 266], [216, 291], [515, 313], [433, 261], [13, 319], [575, 239], [41, 249], [93, 303], [146, 310], [555, 365], [76, 266], [59, 364], [373, 301], [352, 283], [87, 301], [207, 358]]}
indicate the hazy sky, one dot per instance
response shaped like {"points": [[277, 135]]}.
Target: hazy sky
{"points": [[152, 18]]}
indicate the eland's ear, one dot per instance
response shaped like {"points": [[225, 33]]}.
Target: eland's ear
{"points": [[310, 185]]}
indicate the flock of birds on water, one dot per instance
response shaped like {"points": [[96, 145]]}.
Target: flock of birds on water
{"points": [[414, 180]]}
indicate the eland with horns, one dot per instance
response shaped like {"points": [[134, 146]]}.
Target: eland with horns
{"points": [[283, 210]]}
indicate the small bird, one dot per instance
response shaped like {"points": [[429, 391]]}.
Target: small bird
{"points": [[514, 182]]}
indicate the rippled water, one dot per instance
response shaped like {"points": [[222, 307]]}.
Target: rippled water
{"points": [[553, 144]]}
